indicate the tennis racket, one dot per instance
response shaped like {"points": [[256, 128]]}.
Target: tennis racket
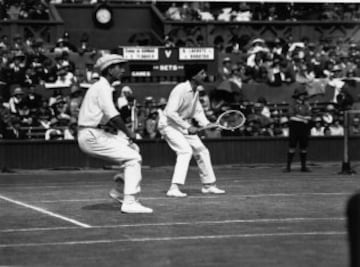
{"points": [[228, 120]]}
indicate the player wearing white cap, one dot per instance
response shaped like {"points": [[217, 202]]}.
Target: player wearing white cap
{"points": [[98, 109], [175, 125]]}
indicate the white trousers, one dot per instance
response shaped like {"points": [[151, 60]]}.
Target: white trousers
{"points": [[115, 148], [185, 146]]}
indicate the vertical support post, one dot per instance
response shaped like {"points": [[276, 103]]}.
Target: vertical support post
{"points": [[346, 166]]}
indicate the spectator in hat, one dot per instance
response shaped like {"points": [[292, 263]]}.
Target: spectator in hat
{"points": [[17, 68], [299, 128], [18, 96], [225, 69], [176, 127]]}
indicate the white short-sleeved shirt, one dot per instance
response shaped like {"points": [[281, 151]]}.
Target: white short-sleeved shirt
{"points": [[182, 106], [97, 106]]}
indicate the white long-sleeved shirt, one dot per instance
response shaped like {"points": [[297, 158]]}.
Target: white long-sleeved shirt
{"points": [[182, 106], [97, 106]]}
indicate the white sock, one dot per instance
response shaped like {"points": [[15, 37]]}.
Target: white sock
{"points": [[129, 198], [174, 187]]}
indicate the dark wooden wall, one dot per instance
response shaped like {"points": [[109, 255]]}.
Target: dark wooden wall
{"points": [[57, 154]]}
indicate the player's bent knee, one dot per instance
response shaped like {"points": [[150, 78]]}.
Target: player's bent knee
{"points": [[202, 151], [133, 162]]}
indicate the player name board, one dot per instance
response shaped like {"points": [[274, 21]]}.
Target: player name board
{"points": [[141, 53], [196, 53]]}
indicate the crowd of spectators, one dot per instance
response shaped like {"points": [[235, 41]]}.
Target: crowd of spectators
{"points": [[29, 65], [279, 62], [261, 11], [24, 10]]}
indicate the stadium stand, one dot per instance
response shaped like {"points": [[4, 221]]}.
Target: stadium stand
{"points": [[44, 73]]}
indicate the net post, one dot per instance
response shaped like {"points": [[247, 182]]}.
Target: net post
{"points": [[346, 165]]}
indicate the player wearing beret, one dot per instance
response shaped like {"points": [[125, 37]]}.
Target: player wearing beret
{"points": [[175, 125], [299, 128], [117, 146]]}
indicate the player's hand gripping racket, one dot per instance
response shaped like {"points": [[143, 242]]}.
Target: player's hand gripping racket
{"points": [[228, 120]]}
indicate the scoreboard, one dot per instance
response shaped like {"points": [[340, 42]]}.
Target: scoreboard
{"points": [[147, 61]]}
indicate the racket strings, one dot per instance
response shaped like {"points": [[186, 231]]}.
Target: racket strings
{"points": [[231, 120]]}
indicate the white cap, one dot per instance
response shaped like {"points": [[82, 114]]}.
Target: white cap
{"points": [[107, 60]]}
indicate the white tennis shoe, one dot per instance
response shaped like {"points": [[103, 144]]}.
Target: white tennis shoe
{"points": [[213, 189], [135, 207], [175, 192]]}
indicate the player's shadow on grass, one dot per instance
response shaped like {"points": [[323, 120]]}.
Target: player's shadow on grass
{"points": [[110, 206]]}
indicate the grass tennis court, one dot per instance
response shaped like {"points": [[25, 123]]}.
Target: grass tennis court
{"points": [[267, 218]]}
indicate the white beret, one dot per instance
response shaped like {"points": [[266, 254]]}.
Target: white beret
{"points": [[107, 60]]}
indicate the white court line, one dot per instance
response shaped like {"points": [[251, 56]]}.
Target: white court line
{"points": [[170, 238], [52, 214], [265, 220], [203, 197]]}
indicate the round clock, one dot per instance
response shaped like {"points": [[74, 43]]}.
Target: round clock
{"points": [[103, 16]]}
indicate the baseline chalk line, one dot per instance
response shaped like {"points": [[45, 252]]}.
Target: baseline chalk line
{"points": [[171, 238], [44, 211]]}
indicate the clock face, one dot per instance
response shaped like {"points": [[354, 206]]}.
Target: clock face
{"points": [[103, 15]]}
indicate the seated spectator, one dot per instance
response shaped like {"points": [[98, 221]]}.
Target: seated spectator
{"points": [[237, 74], [33, 99], [258, 69], [168, 41], [67, 43], [125, 93], [259, 120], [70, 132], [13, 10], [173, 13], [226, 14], [8, 126], [205, 12], [284, 123], [272, 14], [276, 77], [244, 13], [16, 100], [225, 70], [60, 46], [355, 126], [328, 114], [188, 13], [17, 68], [151, 123], [318, 129], [76, 97], [64, 76], [265, 109], [327, 131], [336, 128], [39, 11]]}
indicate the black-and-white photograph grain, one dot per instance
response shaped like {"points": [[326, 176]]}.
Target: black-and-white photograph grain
{"points": [[179, 133]]}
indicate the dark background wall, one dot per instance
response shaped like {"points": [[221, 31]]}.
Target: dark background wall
{"points": [[56, 154]]}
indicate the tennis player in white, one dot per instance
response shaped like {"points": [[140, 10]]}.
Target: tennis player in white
{"points": [[97, 109], [175, 126]]}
